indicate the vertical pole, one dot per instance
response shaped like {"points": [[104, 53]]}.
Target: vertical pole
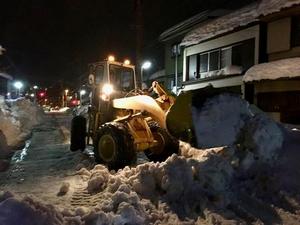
{"points": [[142, 76], [139, 39], [176, 69], [63, 100]]}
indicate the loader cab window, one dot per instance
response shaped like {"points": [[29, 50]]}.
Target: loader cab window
{"points": [[122, 78], [99, 74]]}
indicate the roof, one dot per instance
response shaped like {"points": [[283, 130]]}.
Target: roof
{"points": [[187, 25], [239, 18], [284, 68], [6, 76]]}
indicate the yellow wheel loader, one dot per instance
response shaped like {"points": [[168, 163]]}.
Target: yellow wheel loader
{"points": [[123, 119]]}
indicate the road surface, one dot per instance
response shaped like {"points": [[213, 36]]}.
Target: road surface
{"points": [[45, 164]]}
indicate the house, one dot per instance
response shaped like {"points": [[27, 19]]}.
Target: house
{"points": [[239, 51], [171, 38]]}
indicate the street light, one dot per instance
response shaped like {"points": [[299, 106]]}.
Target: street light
{"points": [[146, 65], [35, 87], [66, 93], [18, 85]]}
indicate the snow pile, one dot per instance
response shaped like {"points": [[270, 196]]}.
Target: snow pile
{"points": [[178, 189], [17, 118], [274, 70], [64, 109], [220, 120], [27, 212], [238, 18], [227, 120], [211, 186]]}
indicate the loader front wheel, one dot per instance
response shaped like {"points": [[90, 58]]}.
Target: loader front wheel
{"points": [[114, 146], [165, 147]]}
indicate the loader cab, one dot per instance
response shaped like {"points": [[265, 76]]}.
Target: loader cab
{"points": [[109, 80], [119, 77]]}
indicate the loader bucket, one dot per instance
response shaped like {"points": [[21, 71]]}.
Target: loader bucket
{"points": [[142, 103], [179, 119]]}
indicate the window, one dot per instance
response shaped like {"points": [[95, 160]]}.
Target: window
{"points": [[99, 74], [203, 63], [192, 67], [295, 31], [239, 54], [243, 54], [214, 60], [121, 77], [226, 59]]}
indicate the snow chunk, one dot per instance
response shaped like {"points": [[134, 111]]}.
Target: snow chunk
{"points": [[263, 136], [238, 18], [14, 122], [274, 70], [64, 189], [219, 121]]}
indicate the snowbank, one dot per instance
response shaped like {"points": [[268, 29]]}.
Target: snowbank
{"points": [[17, 118], [228, 120], [274, 70], [238, 18]]}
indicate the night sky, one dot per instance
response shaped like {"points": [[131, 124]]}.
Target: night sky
{"points": [[49, 41]]}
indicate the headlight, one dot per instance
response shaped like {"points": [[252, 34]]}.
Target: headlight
{"points": [[107, 89]]}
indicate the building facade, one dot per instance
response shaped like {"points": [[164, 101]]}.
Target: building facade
{"points": [[241, 51], [173, 51]]}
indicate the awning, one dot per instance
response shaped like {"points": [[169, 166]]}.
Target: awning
{"points": [[284, 68]]}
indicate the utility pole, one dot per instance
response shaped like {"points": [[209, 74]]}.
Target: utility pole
{"points": [[139, 39]]}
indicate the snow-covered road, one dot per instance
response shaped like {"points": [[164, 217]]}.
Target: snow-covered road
{"points": [[40, 169]]}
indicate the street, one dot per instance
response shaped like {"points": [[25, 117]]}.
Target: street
{"points": [[40, 169]]}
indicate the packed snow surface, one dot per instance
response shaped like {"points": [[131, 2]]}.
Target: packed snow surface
{"points": [[284, 68], [238, 18]]}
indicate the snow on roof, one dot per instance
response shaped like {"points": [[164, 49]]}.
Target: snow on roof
{"points": [[6, 76], [274, 70], [238, 18], [190, 23]]}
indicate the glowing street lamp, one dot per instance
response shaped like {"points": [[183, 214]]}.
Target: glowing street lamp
{"points": [[66, 94], [35, 87], [145, 66], [18, 85]]}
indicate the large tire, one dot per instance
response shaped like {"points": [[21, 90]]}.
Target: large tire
{"points": [[78, 133], [113, 146], [167, 145]]}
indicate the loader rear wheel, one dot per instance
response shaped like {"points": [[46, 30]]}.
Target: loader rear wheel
{"points": [[78, 133], [167, 145], [114, 146]]}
